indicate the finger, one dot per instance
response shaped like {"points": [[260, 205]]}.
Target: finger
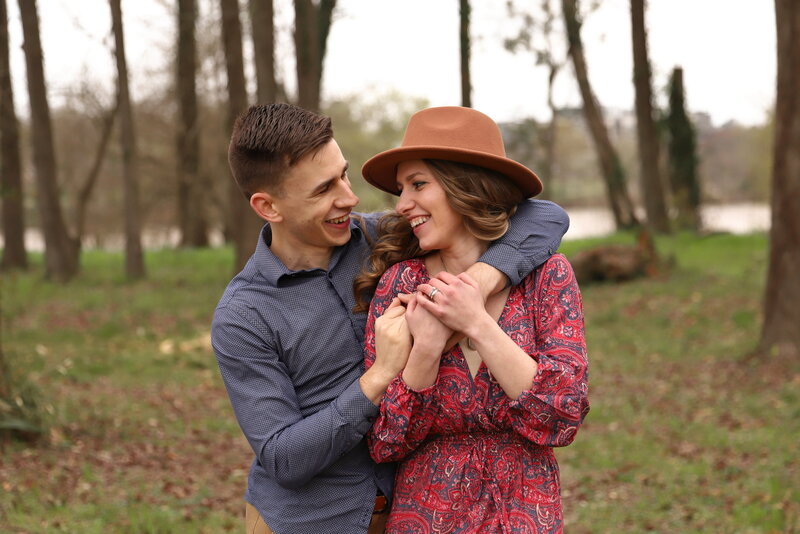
{"points": [[447, 278], [405, 298], [426, 289], [427, 304], [411, 309], [393, 312]]}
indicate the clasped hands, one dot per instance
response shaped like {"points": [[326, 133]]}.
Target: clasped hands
{"points": [[429, 325]]}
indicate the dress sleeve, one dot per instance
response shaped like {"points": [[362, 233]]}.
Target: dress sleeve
{"points": [[405, 416], [550, 412]]}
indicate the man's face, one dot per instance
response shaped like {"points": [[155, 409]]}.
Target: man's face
{"points": [[316, 201]]}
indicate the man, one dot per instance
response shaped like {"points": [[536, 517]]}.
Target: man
{"points": [[289, 346]]}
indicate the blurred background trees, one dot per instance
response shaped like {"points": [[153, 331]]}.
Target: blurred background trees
{"points": [[13, 214], [134, 257], [464, 11], [780, 333], [647, 135], [228, 54], [61, 248], [610, 165], [682, 151]]}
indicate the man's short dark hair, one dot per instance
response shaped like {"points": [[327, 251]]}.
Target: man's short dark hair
{"points": [[267, 140]]}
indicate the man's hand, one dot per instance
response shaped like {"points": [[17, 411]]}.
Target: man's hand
{"points": [[392, 347], [392, 339]]}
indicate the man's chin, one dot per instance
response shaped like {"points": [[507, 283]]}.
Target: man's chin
{"points": [[340, 238]]}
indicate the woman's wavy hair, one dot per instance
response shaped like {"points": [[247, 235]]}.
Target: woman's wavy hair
{"points": [[485, 199]]}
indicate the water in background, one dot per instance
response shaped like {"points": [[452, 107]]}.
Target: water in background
{"points": [[584, 222], [731, 218]]}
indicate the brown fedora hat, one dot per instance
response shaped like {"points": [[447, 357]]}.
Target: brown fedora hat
{"points": [[455, 134]]}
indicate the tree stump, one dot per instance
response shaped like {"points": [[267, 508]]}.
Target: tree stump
{"points": [[617, 263]]}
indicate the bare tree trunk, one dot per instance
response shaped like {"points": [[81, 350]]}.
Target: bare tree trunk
{"points": [[552, 126], [244, 224], [85, 191], [466, 80], [781, 310], [650, 175], [134, 258], [262, 19], [61, 251], [191, 189], [14, 253], [311, 27], [610, 165]]}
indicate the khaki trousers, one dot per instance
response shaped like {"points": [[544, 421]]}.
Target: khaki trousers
{"points": [[255, 524]]}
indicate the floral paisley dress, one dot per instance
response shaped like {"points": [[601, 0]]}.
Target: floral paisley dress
{"points": [[471, 458]]}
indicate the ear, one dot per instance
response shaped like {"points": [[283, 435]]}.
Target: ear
{"points": [[264, 206]]}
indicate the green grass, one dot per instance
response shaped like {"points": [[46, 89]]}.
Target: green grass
{"points": [[688, 431]]}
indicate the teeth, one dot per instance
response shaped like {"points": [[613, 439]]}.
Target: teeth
{"points": [[339, 220], [418, 220]]}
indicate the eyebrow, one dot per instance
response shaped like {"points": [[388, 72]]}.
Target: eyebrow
{"points": [[328, 182], [409, 177]]}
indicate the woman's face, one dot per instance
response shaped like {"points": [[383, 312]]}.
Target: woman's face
{"points": [[423, 202]]}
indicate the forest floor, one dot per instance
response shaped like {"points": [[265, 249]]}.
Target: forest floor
{"points": [[688, 431]]}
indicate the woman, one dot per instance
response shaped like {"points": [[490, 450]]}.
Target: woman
{"points": [[473, 426]]}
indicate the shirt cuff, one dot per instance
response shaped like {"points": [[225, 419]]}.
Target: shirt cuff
{"points": [[509, 261], [355, 408]]}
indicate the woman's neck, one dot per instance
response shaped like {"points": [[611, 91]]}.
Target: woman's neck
{"points": [[462, 256]]}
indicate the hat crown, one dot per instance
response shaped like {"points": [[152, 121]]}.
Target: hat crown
{"points": [[454, 127], [451, 133]]}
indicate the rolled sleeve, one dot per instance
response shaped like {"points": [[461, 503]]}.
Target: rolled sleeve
{"points": [[534, 234]]}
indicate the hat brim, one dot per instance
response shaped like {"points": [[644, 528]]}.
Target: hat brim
{"points": [[380, 170]]}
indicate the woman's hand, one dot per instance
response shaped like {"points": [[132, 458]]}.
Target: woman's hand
{"points": [[457, 301], [430, 335]]}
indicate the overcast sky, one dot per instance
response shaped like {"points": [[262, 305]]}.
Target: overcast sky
{"points": [[726, 47]]}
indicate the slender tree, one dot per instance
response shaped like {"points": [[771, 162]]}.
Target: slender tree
{"points": [[134, 258], [544, 51], [262, 18], [191, 191], [312, 24], [466, 80], [107, 121], [610, 165], [243, 223], [61, 250], [682, 145], [14, 253], [780, 331], [649, 175]]}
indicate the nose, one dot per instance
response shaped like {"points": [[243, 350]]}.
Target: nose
{"points": [[346, 199], [404, 203]]}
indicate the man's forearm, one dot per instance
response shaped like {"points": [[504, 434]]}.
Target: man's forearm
{"points": [[374, 383], [297, 453], [490, 279]]}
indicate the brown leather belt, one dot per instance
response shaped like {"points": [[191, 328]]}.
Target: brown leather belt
{"points": [[381, 505]]}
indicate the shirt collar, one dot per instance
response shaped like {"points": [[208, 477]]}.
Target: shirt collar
{"points": [[272, 268]]}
